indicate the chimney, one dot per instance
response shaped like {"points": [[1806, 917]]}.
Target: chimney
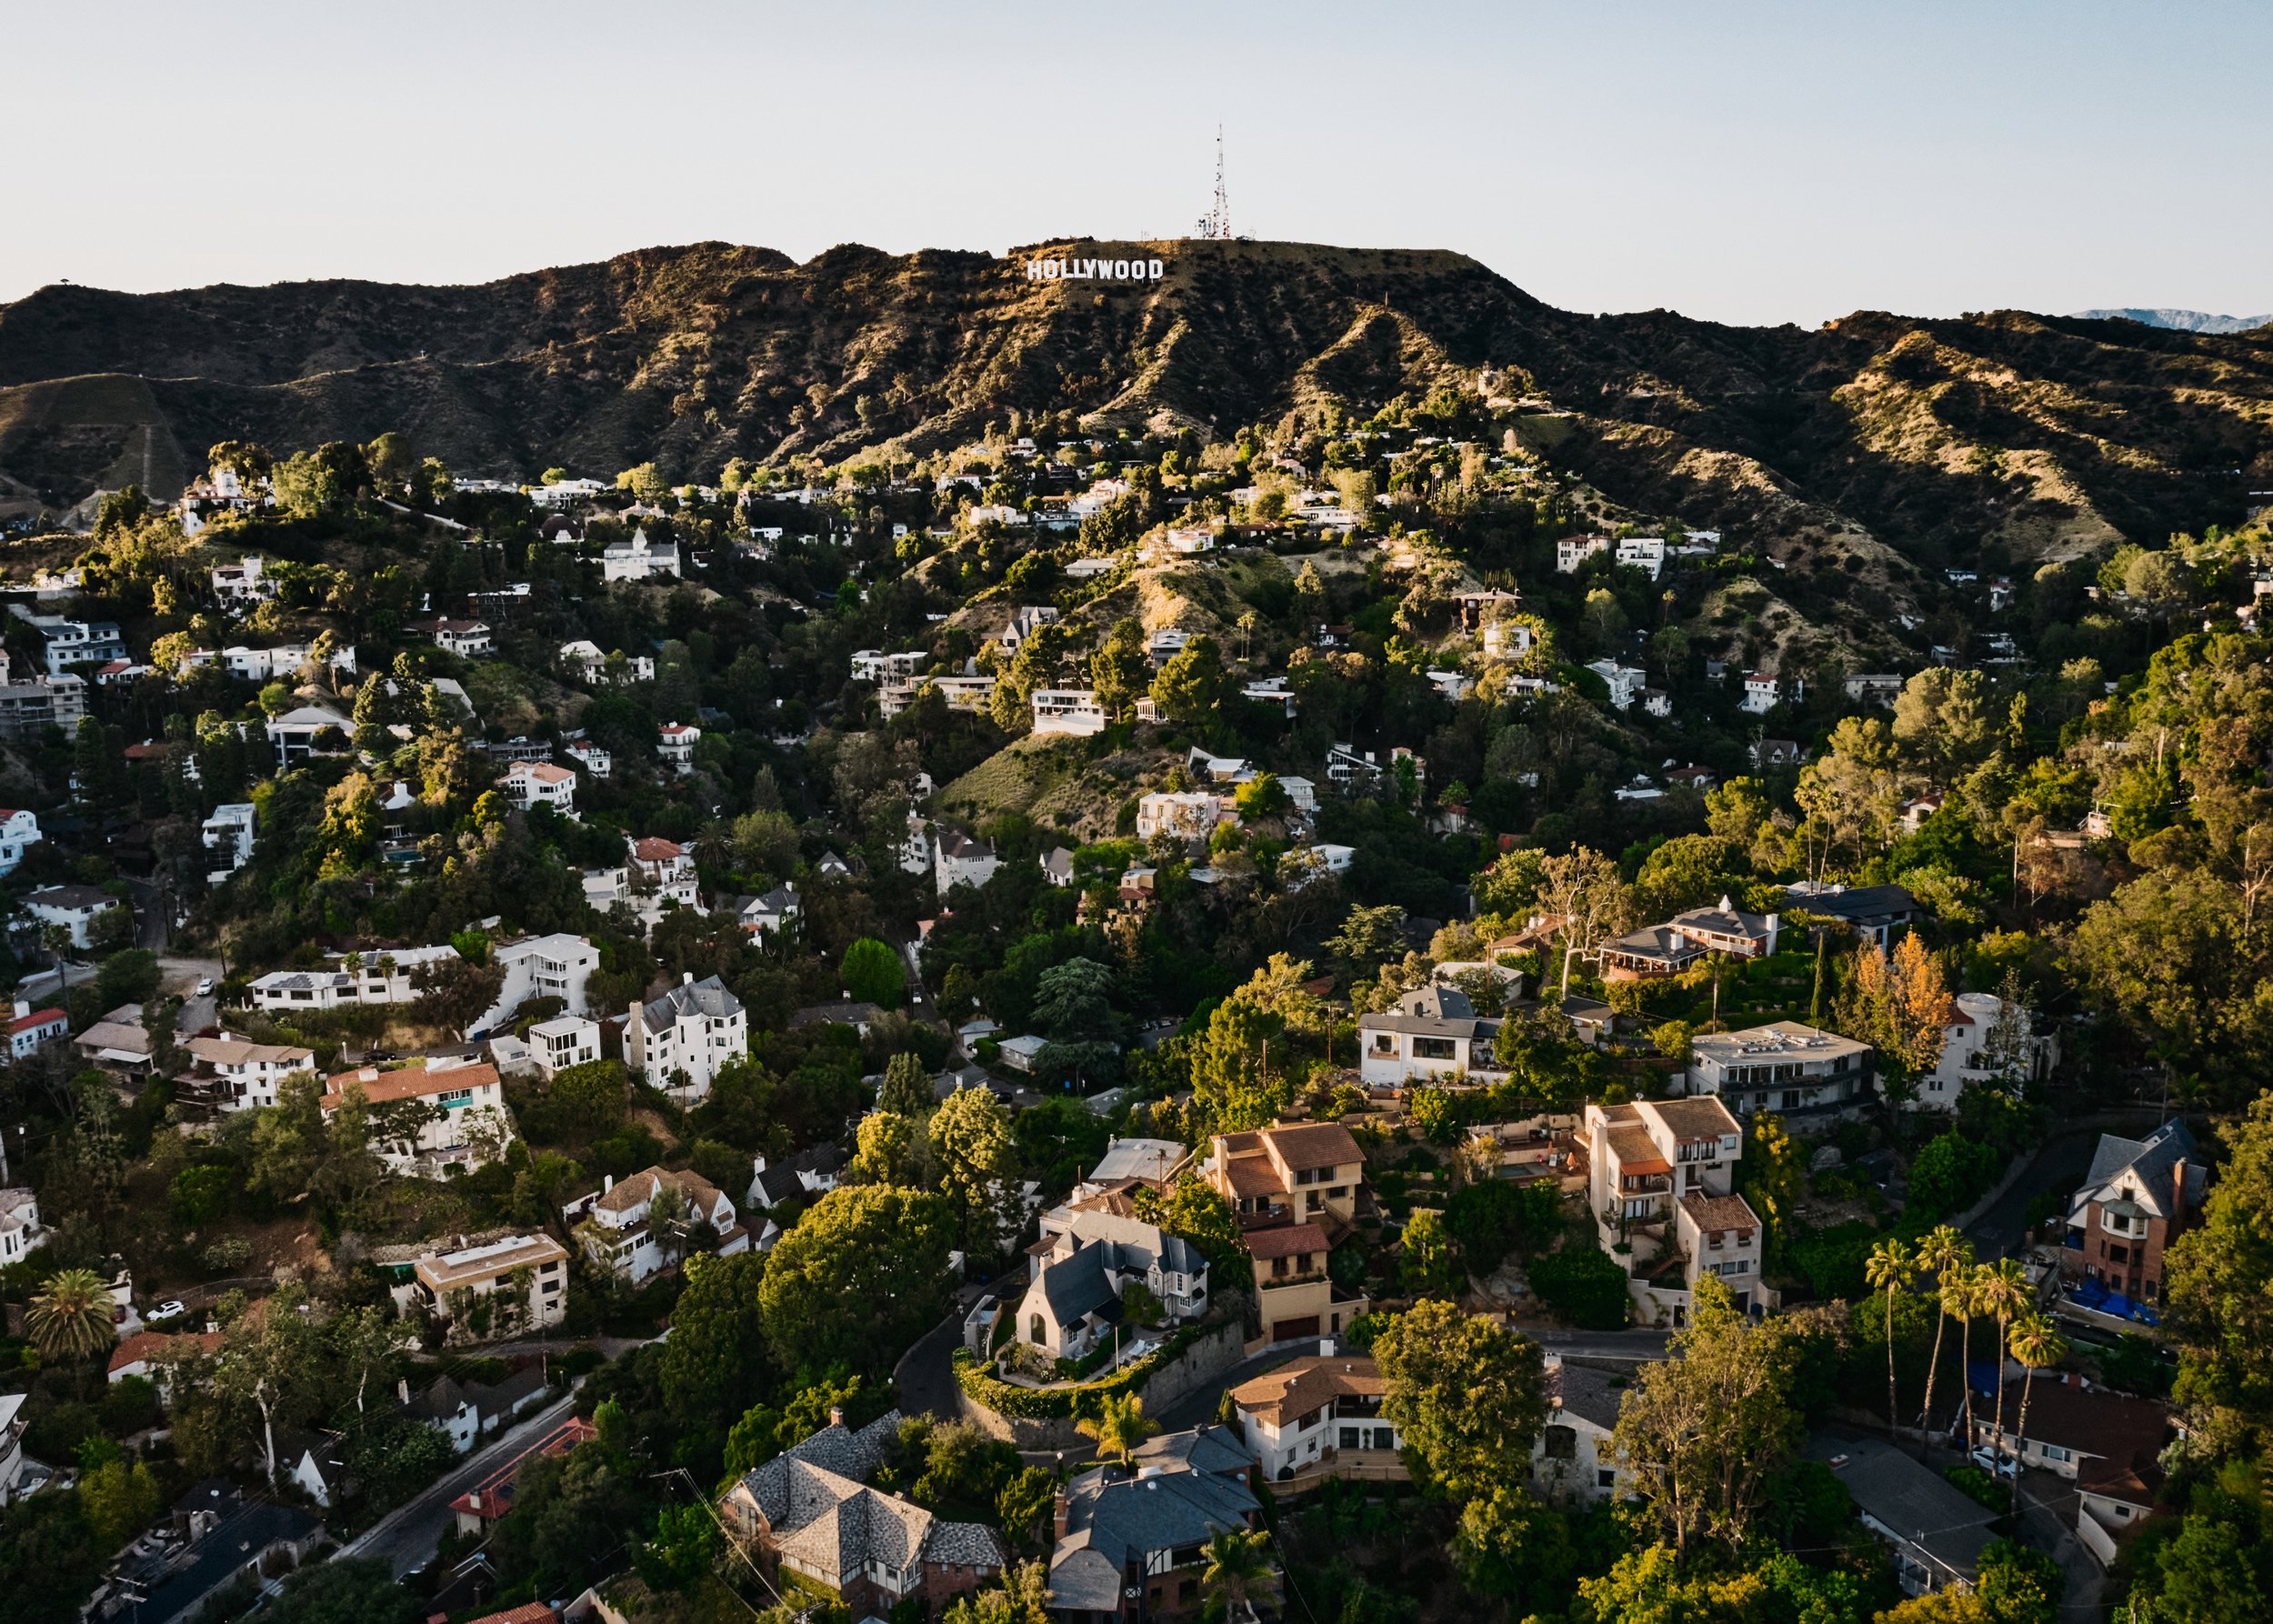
{"points": [[1061, 1513], [607, 1182], [686, 979], [402, 1391], [835, 1415], [2178, 1195], [23, 1008]]}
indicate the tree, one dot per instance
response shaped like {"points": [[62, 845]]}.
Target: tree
{"points": [[1240, 1570], [2217, 1287], [714, 1357], [456, 992], [1942, 1253], [345, 1591], [1118, 669], [1493, 1217], [2005, 1293], [268, 1362], [1189, 689], [1466, 1396], [861, 1275], [1902, 1005], [1195, 1210], [907, 1088], [70, 1316], [1072, 1005], [1023, 1598], [1583, 890], [1890, 1269], [974, 1167], [871, 973], [1586, 1285], [1119, 1425], [1705, 1432], [1367, 937], [2038, 1346], [120, 1500], [890, 1149], [1425, 1264]]}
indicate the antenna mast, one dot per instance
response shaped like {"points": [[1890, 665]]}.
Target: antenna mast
{"points": [[1216, 221]]}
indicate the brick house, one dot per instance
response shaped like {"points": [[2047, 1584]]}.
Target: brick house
{"points": [[2134, 1202]]}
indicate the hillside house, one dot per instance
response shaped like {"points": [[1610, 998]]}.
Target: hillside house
{"points": [[680, 1041], [1661, 1184], [428, 1119], [1786, 1068], [504, 1287], [638, 560], [229, 1074], [31, 1030], [227, 836], [1970, 1058], [617, 1228], [1319, 1417], [529, 784], [308, 730], [1574, 1457], [1667, 949], [1182, 815], [1081, 1270], [777, 910], [1074, 712], [74, 909], [1433, 1035], [1144, 1528], [379, 976], [2138, 1195], [675, 746], [564, 1041], [957, 859]]}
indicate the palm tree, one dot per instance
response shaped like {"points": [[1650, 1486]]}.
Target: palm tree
{"points": [[1961, 1296], [1890, 1269], [2005, 1293], [70, 1319], [1943, 1253], [2037, 1346], [1239, 1569], [1119, 1425]]}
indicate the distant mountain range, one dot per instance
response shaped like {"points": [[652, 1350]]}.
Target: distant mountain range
{"points": [[2180, 321], [1878, 447]]}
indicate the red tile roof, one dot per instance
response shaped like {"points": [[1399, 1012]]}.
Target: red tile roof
{"points": [[1290, 1241], [38, 1018]]}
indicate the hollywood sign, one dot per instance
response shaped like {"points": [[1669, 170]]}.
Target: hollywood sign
{"points": [[1094, 270]]}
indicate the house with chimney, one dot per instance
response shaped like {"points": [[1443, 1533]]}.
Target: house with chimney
{"points": [[1433, 1035], [1318, 1417], [1130, 1541], [1082, 1268], [427, 1119], [680, 1041], [637, 1227], [2137, 1197], [808, 1518], [1575, 1458], [1667, 949]]}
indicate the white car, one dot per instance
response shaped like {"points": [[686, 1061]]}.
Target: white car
{"points": [[205, 986], [172, 1308], [1995, 1465]]}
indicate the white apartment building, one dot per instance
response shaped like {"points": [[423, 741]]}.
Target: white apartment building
{"points": [[1780, 1069], [1074, 711], [466, 1123], [675, 743], [18, 829], [1182, 814], [564, 1041], [681, 1041], [540, 783], [1625, 682], [541, 966], [228, 837], [381, 976], [529, 1271]]}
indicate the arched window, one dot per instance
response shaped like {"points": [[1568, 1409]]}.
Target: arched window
{"points": [[1037, 1333]]}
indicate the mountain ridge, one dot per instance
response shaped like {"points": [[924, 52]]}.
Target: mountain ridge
{"points": [[2041, 435]]}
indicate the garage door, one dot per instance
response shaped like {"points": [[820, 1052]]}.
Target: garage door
{"points": [[1287, 1330]]}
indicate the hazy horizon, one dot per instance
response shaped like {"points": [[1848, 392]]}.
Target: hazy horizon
{"points": [[1773, 162]]}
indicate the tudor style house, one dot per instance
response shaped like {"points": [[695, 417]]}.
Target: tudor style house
{"points": [[618, 1230], [1661, 1185], [809, 1517], [1781, 1069], [1433, 1035], [1131, 1541], [1081, 1273], [2130, 1206]]}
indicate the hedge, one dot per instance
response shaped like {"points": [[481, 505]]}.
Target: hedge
{"points": [[1043, 1404]]}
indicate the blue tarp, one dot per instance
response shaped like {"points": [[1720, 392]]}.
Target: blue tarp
{"points": [[2093, 1295]]}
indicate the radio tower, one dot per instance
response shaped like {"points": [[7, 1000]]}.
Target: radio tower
{"points": [[1216, 221]]}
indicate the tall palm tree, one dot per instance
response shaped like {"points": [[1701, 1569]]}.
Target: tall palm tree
{"points": [[1239, 1569], [2037, 1346], [70, 1316], [1941, 1254], [1890, 1269], [1961, 1296], [1119, 1425], [2006, 1294]]}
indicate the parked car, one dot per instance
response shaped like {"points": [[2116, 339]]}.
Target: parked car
{"points": [[205, 986], [172, 1308], [1995, 1465]]}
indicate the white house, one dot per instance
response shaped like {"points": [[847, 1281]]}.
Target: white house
{"points": [[1079, 1276], [873, 665], [957, 859], [462, 1123], [777, 909], [1507, 639], [1074, 711], [1660, 1183], [467, 638], [565, 493], [541, 966], [540, 783], [1182, 814], [247, 581], [74, 908], [20, 1231], [1761, 693], [1024, 622], [1643, 552], [638, 560], [1791, 1067], [1272, 691], [1434, 1035], [564, 1041], [1320, 1412], [590, 757], [1165, 643], [380, 977], [232, 1075], [680, 1041], [584, 660], [619, 1231], [1574, 1457], [1965, 1058], [32, 1030], [530, 1271], [18, 829], [675, 743], [1572, 551], [228, 837], [294, 734], [1625, 681]]}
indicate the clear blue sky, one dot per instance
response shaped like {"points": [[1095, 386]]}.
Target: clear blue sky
{"points": [[1752, 162]]}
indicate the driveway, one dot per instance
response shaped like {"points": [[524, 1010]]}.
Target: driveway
{"points": [[180, 975], [2061, 1165], [407, 1538], [152, 926]]}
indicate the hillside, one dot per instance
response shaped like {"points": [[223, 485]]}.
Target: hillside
{"points": [[2045, 435]]}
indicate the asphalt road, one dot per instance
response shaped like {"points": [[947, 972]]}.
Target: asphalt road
{"points": [[2059, 1165], [407, 1538]]}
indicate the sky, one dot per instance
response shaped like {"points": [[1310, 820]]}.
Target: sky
{"points": [[1752, 163]]}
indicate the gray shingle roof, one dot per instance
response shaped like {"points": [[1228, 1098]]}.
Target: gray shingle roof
{"points": [[706, 999], [2151, 1159]]}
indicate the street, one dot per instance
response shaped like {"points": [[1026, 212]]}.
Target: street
{"points": [[407, 1538]]}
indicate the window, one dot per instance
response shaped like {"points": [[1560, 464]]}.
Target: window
{"points": [[1037, 1333], [1349, 1436], [1606, 1479], [1560, 1443], [1434, 1049]]}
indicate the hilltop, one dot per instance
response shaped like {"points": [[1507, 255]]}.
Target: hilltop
{"points": [[2041, 437]]}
